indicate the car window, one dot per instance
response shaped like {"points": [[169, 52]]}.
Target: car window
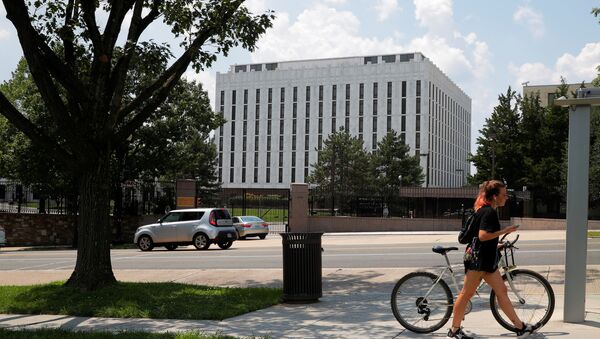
{"points": [[252, 219], [222, 214], [235, 219], [188, 216], [172, 217]]}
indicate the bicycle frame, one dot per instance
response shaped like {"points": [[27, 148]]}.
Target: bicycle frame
{"points": [[503, 264]]}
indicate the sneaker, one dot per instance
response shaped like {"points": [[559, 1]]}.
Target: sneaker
{"points": [[526, 330], [459, 334]]}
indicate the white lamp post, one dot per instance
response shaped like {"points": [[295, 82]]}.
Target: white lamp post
{"points": [[577, 200]]}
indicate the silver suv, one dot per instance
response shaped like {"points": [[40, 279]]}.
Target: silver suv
{"points": [[198, 226]]}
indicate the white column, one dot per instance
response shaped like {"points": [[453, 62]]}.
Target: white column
{"points": [[577, 213]]}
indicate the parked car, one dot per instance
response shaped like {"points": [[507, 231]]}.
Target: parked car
{"points": [[200, 227], [2, 237], [250, 226]]}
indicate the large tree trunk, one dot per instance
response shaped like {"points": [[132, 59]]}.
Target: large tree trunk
{"points": [[93, 268]]}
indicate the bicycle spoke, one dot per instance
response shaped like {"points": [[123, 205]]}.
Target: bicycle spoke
{"points": [[419, 305]]}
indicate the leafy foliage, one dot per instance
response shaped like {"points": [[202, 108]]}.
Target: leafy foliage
{"points": [[394, 167], [346, 170], [82, 56]]}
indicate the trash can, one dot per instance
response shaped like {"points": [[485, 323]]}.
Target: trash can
{"points": [[302, 267]]}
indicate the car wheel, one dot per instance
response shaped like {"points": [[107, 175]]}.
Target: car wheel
{"points": [[145, 243], [262, 236], [171, 247], [225, 245], [201, 241]]}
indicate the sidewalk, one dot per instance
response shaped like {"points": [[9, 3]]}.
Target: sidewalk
{"points": [[355, 304]]}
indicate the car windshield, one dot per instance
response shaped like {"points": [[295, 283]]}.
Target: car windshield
{"points": [[252, 219], [221, 214]]}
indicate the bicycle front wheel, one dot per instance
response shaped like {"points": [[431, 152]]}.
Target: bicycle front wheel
{"points": [[420, 305], [536, 302]]}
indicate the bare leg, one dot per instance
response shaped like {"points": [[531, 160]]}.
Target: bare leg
{"points": [[497, 284], [472, 280]]}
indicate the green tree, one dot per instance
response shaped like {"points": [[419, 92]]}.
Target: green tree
{"points": [[394, 167], [343, 169], [84, 88], [499, 152]]}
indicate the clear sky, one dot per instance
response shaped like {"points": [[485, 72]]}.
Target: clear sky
{"points": [[484, 46]]}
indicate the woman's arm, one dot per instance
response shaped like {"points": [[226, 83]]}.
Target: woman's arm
{"points": [[485, 235]]}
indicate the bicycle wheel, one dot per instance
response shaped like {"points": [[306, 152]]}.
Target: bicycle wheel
{"points": [[536, 305], [417, 310]]}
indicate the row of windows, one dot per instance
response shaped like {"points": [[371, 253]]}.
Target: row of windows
{"points": [[334, 93]]}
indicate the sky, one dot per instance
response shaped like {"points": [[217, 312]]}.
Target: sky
{"points": [[483, 46]]}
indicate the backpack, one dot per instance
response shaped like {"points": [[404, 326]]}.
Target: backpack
{"points": [[468, 230]]}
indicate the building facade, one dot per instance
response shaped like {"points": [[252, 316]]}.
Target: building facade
{"points": [[547, 93], [278, 115]]}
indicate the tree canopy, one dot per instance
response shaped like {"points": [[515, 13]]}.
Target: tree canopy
{"points": [[80, 55]]}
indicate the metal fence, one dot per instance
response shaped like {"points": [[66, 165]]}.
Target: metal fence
{"points": [[271, 205], [136, 198], [18, 198]]}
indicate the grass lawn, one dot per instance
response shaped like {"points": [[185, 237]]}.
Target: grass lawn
{"points": [[138, 300], [268, 215], [62, 334], [593, 234]]}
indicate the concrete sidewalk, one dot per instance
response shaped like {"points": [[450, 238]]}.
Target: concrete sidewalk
{"points": [[355, 304]]}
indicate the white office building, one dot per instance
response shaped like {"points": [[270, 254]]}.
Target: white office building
{"points": [[278, 115]]}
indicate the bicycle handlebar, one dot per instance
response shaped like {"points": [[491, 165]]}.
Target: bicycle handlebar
{"points": [[508, 243]]}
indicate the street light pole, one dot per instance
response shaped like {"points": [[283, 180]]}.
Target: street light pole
{"points": [[426, 169]]}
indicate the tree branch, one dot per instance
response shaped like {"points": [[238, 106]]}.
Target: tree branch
{"points": [[40, 59], [159, 90], [32, 131], [137, 26], [18, 14]]}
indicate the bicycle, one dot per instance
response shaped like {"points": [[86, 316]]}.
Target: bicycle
{"points": [[422, 302]]}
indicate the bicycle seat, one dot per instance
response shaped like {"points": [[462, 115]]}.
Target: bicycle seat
{"points": [[443, 250]]}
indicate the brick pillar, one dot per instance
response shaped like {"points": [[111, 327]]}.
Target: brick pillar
{"points": [[298, 219], [186, 193]]}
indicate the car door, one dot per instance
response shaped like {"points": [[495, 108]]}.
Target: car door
{"points": [[166, 231], [187, 225]]}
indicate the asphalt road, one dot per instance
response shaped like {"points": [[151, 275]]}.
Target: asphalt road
{"points": [[268, 254]]}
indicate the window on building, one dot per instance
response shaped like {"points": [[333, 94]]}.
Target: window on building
{"points": [[388, 58], [374, 124], [375, 107], [231, 175], [320, 92], [307, 93], [271, 67], [334, 92], [375, 90], [403, 88], [370, 60], [361, 91], [406, 57]]}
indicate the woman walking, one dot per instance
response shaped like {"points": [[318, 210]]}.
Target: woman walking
{"points": [[481, 260]]}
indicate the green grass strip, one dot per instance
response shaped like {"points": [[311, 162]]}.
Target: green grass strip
{"points": [[593, 234], [138, 300], [63, 334]]}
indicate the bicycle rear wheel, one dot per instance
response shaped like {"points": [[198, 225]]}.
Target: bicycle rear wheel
{"points": [[536, 305], [417, 310]]}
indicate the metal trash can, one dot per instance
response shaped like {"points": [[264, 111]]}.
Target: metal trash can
{"points": [[302, 267]]}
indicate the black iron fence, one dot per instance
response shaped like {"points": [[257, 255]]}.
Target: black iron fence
{"points": [[271, 205], [135, 198], [18, 198]]}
